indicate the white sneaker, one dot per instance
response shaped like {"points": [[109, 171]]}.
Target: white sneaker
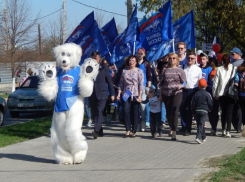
{"points": [[198, 141], [163, 125], [143, 126], [204, 140], [194, 122], [223, 132], [89, 123], [228, 134]]}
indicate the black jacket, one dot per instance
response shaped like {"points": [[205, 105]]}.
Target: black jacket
{"points": [[201, 100], [100, 84]]}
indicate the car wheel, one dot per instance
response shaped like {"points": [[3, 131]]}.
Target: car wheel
{"points": [[1, 117], [14, 114]]}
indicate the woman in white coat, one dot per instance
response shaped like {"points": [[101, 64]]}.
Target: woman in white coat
{"points": [[223, 75]]}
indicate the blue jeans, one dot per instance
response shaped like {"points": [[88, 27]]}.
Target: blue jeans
{"points": [[147, 114], [87, 108], [163, 113]]}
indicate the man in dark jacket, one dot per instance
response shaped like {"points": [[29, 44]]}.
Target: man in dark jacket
{"points": [[100, 95], [201, 104]]}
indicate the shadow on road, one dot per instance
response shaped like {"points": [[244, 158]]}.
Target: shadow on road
{"points": [[29, 158]]}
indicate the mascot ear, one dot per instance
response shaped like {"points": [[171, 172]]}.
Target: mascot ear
{"points": [[79, 52], [56, 51]]}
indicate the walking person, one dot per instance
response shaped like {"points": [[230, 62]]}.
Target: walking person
{"points": [[173, 79], [100, 95], [201, 104], [131, 81], [146, 68], [181, 48], [155, 111], [240, 83], [213, 115], [236, 55], [222, 77], [193, 75]]}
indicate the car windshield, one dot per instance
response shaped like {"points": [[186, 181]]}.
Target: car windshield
{"points": [[31, 82]]}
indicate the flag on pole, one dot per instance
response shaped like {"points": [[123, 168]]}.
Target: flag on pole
{"points": [[183, 31], [109, 32], [215, 40], [157, 28], [123, 44], [92, 40], [81, 28]]}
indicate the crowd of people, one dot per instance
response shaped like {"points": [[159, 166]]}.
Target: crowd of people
{"points": [[151, 94]]}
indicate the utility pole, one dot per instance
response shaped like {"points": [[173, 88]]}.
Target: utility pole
{"points": [[64, 21], [6, 24], [39, 38], [129, 9]]}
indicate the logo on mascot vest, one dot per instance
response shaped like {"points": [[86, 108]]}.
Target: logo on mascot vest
{"points": [[67, 83]]}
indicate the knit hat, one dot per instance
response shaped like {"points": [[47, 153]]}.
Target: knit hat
{"points": [[213, 73], [202, 83]]}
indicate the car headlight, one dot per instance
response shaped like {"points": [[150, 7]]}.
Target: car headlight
{"points": [[11, 99]]}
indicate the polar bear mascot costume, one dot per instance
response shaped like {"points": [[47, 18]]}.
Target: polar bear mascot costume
{"points": [[68, 86]]}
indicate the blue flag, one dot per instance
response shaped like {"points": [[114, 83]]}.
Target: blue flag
{"points": [[109, 32], [92, 40], [123, 45], [126, 95], [157, 28], [81, 28], [183, 31]]}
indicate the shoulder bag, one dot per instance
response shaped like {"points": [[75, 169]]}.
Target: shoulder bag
{"points": [[231, 90]]}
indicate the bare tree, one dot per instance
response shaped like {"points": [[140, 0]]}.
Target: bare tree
{"points": [[16, 32], [100, 18]]}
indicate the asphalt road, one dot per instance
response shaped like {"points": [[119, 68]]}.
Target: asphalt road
{"points": [[23, 117]]}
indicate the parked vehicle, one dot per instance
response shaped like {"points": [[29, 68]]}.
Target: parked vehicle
{"points": [[3, 110], [27, 99]]}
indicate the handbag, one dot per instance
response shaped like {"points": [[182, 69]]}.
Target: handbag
{"points": [[231, 90]]}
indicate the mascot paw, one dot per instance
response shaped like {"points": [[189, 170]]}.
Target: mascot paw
{"points": [[90, 68], [47, 71]]}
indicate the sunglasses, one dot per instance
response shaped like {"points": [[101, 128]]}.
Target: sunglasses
{"points": [[191, 58], [180, 48]]}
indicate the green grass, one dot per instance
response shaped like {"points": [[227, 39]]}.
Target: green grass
{"points": [[24, 131], [232, 168], [4, 95]]}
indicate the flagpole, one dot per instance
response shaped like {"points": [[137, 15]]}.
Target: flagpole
{"points": [[134, 48], [196, 55], [173, 46]]}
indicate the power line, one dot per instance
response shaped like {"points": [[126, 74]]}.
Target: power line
{"points": [[45, 15], [99, 9]]}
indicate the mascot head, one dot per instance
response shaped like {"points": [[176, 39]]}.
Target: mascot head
{"points": [[67, 55]]}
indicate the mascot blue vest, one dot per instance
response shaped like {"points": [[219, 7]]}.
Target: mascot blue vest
{"points": [[68, 89]]}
